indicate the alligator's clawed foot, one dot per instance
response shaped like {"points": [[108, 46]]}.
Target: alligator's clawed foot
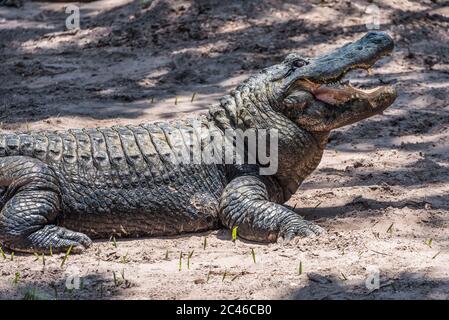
{"points": [[300, 229], [54, 239]]}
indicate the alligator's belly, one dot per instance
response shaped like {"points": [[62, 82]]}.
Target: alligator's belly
{"points": [[169, 214], [138, 208]]}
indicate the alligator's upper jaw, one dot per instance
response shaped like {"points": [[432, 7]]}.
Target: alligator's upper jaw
{"points": [[322, 75], [362, 53]]}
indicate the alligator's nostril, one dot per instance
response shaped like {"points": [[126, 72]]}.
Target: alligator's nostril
{"points": [[359, 48]]}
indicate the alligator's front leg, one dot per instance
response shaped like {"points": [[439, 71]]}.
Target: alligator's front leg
{"points": [[246, 203]]}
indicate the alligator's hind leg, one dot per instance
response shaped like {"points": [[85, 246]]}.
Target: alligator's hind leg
{"points": [[30, 206]]}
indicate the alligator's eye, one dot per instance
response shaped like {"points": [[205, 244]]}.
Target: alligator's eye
{"points": [[298, 63]]}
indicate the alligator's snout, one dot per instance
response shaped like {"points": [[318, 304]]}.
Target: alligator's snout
{"points": [[362, 53]]}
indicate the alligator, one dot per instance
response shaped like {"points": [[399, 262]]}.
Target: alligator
{"points": [[60, 189]]}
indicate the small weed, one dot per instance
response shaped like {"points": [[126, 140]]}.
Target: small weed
{"points": [[66, 256], [116, 281], [31, 294], [124, 259], [16, 277], [2, 252], [390, 228], [119, 282], [188, 259], [234, 233]]}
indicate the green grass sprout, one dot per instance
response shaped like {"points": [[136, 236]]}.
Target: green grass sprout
{"points": [[66, 256]]}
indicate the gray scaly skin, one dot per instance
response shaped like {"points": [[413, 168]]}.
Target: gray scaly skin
{"points": [[61, 189]]}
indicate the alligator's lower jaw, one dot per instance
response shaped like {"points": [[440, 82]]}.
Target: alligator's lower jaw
{"points": [[340, 94]]}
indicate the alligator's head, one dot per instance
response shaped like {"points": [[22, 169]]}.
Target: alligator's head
{"points": [[311, 92]]}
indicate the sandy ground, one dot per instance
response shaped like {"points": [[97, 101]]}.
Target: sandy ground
{"points": [[381, 191]]}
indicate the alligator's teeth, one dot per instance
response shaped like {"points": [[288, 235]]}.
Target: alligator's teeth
{"points": [[370, 71], [351, 86]]}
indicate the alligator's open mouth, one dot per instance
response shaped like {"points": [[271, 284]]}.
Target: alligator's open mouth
{"points": [[322, 76], [340, 92]]}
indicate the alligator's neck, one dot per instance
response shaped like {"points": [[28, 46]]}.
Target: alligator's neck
{"points": [[299, 151]]}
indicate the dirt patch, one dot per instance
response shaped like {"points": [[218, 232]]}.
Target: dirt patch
{"points": [[381, 191]]}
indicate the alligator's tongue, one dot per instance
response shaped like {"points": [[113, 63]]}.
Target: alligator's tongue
{"points": [[336, 96], [331, 95]]}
